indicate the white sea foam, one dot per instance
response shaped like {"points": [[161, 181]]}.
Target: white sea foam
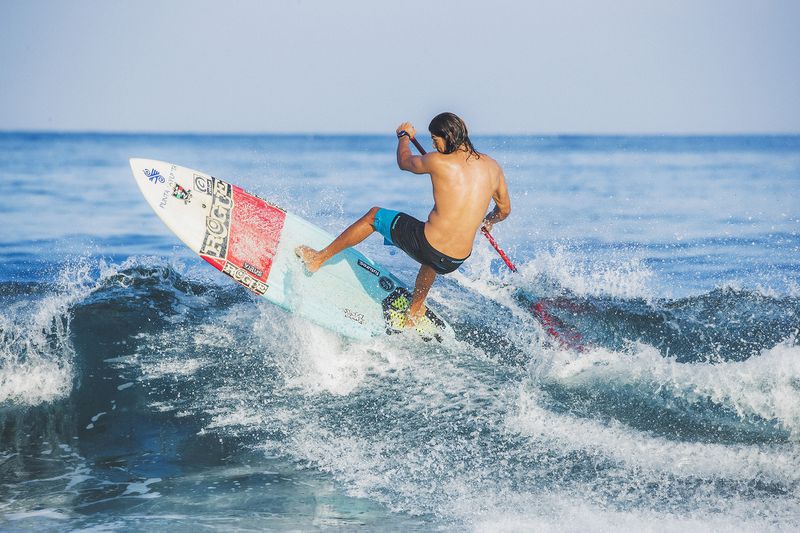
{"points": [[583, 277], [36, 355], [650, 456], [429, 478], [51, 514], [766, 386], [559, 270], [793, 288], [324, 362], [173, 367], [141, 488], [565, 513]]}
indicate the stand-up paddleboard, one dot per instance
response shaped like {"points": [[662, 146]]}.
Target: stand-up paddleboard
{"points": [[252, 241]]}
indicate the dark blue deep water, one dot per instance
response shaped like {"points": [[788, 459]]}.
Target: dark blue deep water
{"points": [[140, 389]]}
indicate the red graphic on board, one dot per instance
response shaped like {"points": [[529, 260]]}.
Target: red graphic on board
{"points": [[255, 231]]}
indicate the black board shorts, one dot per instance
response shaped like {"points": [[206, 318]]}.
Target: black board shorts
{"points": [[408, 234]]}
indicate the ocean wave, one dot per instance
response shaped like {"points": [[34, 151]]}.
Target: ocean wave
{"points": [[465, 431], [37, 354]]}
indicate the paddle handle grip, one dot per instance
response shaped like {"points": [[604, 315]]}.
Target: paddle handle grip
{"points": [[404, 133]]}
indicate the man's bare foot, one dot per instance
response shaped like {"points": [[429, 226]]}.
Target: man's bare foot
{"points": [[412, 317], [310, 257]]}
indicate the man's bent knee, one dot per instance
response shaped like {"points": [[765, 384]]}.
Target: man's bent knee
{"points": [[370, 216]]}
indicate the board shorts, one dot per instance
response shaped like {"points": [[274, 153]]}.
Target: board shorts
{"points": [[408, 234]]}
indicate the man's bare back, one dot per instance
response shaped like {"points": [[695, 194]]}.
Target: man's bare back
{"points": [[463, 186]]}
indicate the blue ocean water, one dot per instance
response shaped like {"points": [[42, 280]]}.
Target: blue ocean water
{"points": [[140, 389]]}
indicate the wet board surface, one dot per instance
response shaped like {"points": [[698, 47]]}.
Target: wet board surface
{"points": [[252, 241]]}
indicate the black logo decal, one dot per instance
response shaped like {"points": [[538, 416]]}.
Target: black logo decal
{"points": [[353, 315], [241, 276], [203, 184], [369, 268], [253, 270], [215, 243], [386, 284]]}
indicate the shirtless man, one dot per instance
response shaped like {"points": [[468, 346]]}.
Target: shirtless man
{"points": [[464, 182]]}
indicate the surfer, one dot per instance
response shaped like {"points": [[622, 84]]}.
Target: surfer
{"points": [[464, 183]]}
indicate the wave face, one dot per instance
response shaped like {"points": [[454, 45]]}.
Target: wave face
{"points": [[196, 391], [641, 371]]}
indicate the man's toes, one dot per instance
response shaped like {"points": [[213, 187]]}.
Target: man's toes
{"points": [[309, 257], [302, 252]]}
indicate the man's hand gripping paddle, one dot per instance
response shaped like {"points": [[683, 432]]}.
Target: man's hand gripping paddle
{"points": [[551, 324]]}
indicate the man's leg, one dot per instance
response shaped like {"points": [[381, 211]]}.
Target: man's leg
{"points": [[425, 279], [357, 232]]}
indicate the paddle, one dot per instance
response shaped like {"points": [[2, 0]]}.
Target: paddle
{"points": [[485, 231]]}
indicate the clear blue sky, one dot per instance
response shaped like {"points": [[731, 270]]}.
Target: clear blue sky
{"points": [[624, 66]]}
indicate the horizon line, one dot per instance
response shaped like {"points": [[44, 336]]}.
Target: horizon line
{"points": [[382, 134]]}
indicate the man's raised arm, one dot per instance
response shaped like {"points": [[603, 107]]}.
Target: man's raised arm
{"points": [[405, 159]]}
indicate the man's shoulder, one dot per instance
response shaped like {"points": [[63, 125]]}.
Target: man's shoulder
{"points": [[489, 159], [437, 160], [489, 163], [456, 161]]}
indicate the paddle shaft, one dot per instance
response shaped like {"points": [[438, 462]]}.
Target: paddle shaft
{"points": [[499, 250], [418, 145], [485, 232]]}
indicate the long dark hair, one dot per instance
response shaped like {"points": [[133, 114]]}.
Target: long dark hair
{"points": [[452, 129]]}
